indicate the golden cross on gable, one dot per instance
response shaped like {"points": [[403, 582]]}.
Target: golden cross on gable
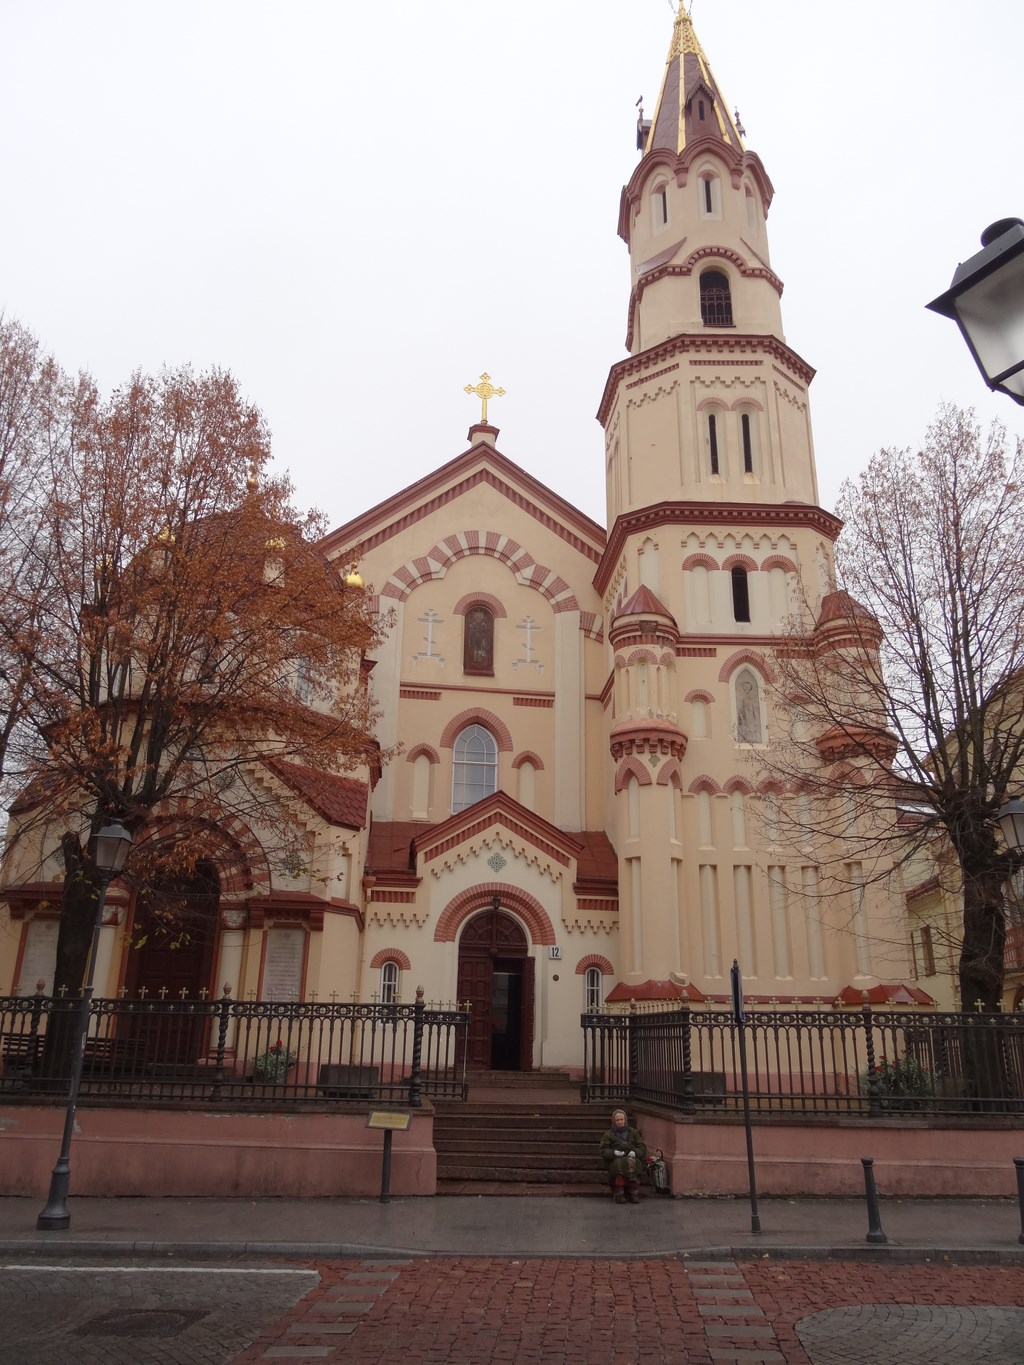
{"points": [[485, 391]]}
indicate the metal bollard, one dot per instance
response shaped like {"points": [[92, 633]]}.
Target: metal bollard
{"points": [[875, 1233], [1019, 1163]]}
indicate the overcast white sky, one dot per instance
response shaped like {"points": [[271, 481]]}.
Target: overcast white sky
{"points": [[358, 207]]}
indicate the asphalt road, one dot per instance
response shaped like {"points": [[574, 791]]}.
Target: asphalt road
{"points": [[668, 1311]]}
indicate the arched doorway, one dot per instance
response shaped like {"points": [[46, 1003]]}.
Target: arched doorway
{"points": [[496, 978], [173, 936]]}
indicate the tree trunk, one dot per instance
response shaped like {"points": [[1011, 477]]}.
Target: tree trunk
{"points": [[981, 988], [984, 942], [77, 918], [74, 941]]}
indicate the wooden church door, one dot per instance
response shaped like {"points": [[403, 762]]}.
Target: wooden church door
{"points": [[496, 978]]}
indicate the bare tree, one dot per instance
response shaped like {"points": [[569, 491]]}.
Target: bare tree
{"points": [[187, 635], [906, 699]]}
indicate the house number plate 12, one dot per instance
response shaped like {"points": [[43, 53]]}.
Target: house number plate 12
{"points": [[554, 952]]}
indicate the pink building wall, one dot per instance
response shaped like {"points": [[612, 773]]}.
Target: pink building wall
{"points": [[166, 1153]]}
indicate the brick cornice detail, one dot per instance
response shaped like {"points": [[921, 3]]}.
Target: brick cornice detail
{"points": [[788, 515], [477, 715], [686, 269], [746, 656], [381, 523], [480, 599], [391, 955], [719, 342], [466, 904], [594, 960]]}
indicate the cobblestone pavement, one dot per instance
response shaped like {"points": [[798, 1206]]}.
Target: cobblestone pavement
{"points": [[473, 1311], [139, 1315], [668, 1311]]}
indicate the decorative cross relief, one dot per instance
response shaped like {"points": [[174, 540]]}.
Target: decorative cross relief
{"points": [[430, 619], [529, 627], [496, 862]]}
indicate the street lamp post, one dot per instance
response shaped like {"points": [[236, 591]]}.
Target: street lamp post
{"points": [[986, 301], [112, 844], [1011, 822]]}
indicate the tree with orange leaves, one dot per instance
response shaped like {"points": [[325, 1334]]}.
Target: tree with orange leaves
{"points": [[180, 631]]}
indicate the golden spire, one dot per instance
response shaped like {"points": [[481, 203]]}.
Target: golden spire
{"points": [[485, 391], [684, 39]]}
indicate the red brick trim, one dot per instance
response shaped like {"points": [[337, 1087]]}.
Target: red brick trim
{"points": [[740, 562], [528, 756], [739, 784], [671, 772], [594, 960], [390, 955], [699, 562], [512, 898], [698, 694], [704, 784], [479, 599], [229, 844], [779, 562], [543, 703], [408, 693], [746, 656], [642, 656], [631, 767], [439, 559], [745, 403], [476, 715], [427, 749]]}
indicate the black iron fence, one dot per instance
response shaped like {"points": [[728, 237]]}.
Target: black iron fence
{"points": [[862, 1063], [232, 1052]]}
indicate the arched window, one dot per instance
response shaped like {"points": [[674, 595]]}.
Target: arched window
{"points": [[748, 440], [710, 205], [527, 786], [592, 990], [388, 983], [751, 209], [474, 767], [478, 641], [659, 207], [715, 299], [714, 442], [740, 594], [749, 725]]}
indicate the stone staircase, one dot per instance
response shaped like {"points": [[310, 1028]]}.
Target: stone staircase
{"points": [[519, 1133]]}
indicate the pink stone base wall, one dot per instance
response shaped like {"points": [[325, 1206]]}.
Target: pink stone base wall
{"points": [[166, 1152], [824, 1159]]}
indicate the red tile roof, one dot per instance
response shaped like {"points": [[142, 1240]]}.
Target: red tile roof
{"points": [[644, 603], [621, 993], [390, 845], [340, 800], [893, 993]]}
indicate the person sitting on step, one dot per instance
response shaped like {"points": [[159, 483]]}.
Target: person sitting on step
{"points": [[623, 1151]]}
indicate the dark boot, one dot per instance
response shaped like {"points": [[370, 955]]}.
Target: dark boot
{"points": [[634, 1194], [619, 1196]]}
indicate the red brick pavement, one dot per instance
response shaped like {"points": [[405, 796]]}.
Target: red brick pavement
{"points": [[788, 1291], [558, 1312]]}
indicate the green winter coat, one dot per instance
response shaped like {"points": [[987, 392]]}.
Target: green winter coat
{"points": [[611, 1142]]}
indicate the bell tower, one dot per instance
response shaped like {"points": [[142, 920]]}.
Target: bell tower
{"points": [[712, 404], [715, 541]]}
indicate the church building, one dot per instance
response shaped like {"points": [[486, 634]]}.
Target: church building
{"points": [[578, 815]]}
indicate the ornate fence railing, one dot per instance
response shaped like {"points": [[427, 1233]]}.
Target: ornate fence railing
{"points": [[862, 1063], [233, 1052]]}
